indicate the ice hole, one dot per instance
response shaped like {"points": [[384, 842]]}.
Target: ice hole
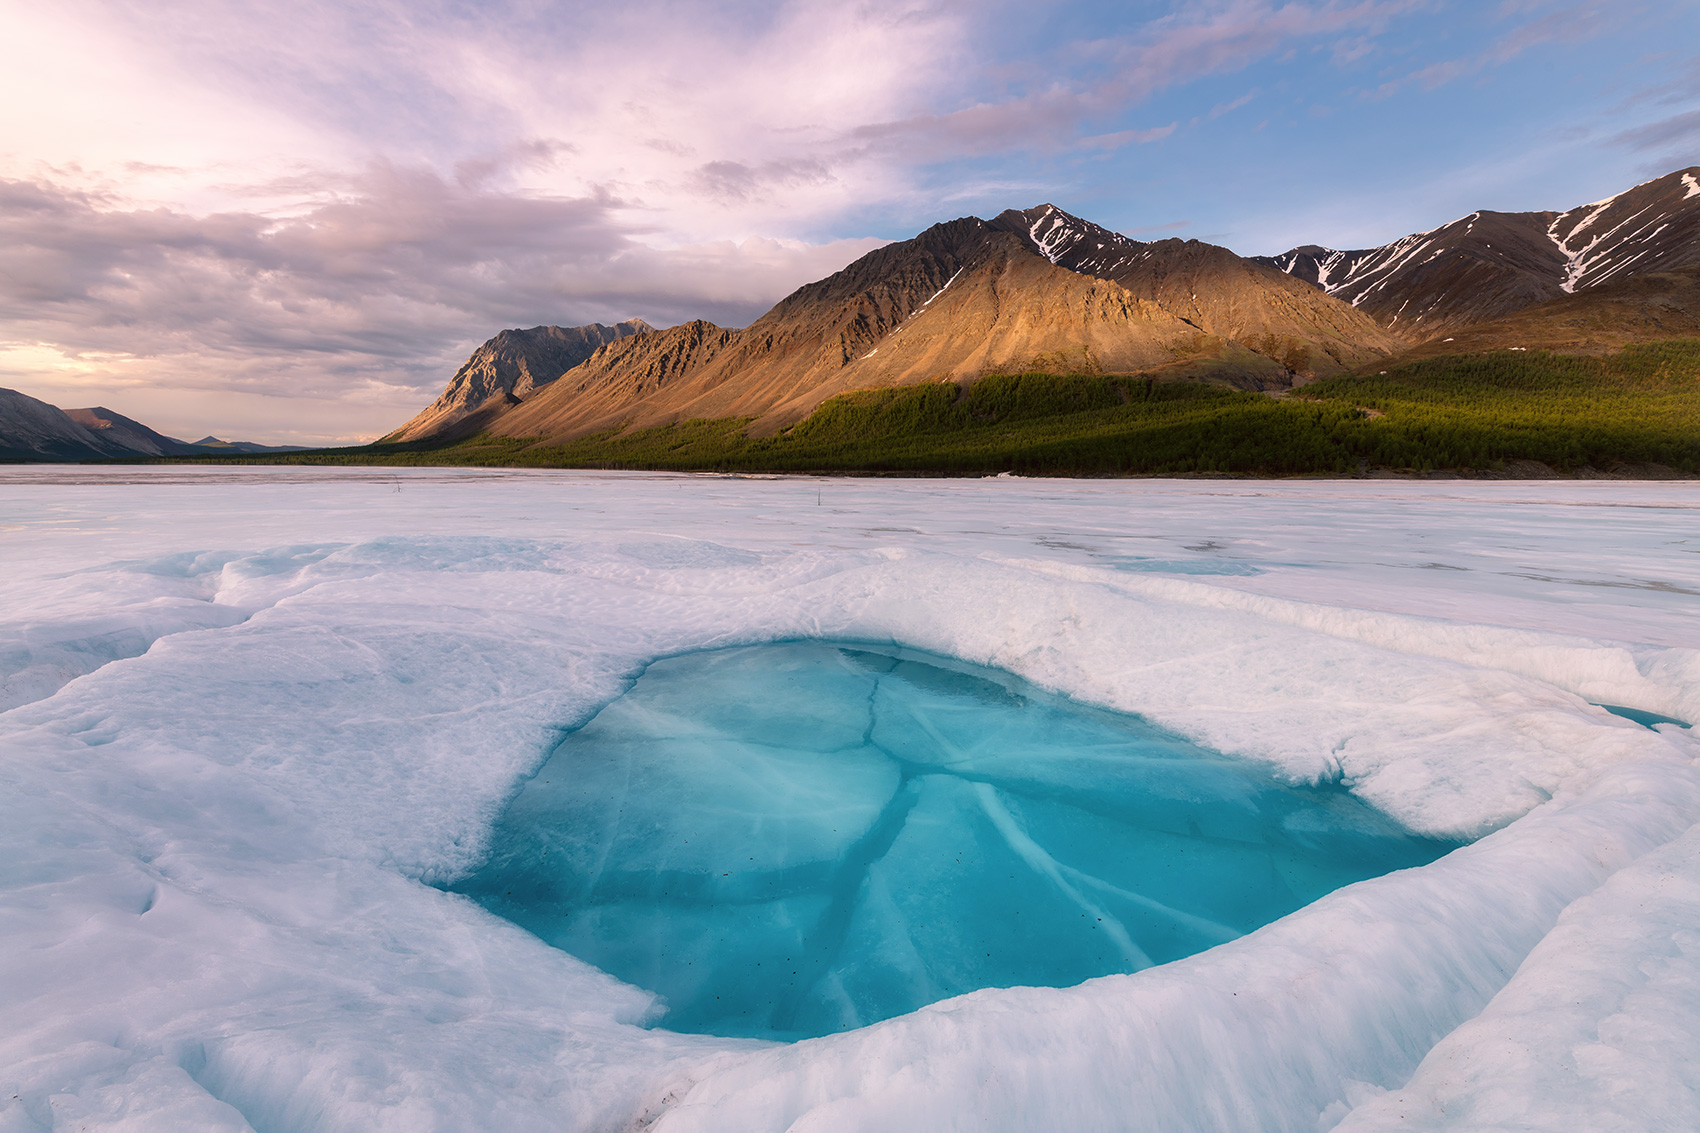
{"points": [[795, 839], [1642, 717]]}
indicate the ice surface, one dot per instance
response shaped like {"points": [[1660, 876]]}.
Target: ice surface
{"points": [[264, 716], [1598, 1029], [803, 838]]}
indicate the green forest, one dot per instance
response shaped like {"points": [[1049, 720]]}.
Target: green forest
{"points": [[1467, 414]]}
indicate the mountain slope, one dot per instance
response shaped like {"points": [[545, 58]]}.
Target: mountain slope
{"points": [[505, 371], [1490, 264], [131, 438], [1644, 307], [1219, 292], [34, 430]]}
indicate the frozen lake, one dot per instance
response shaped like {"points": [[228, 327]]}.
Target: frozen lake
{"points": [[262, 724]]}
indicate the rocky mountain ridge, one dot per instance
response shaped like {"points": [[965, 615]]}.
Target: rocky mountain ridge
{"points": [[505, 371], [1491, 264]]}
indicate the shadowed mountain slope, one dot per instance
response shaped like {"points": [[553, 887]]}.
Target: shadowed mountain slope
{"points": [[31, 429], [1490, 264]]}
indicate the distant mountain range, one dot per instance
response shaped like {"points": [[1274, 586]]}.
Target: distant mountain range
{"points": [[31, 429], [1041, 290]]}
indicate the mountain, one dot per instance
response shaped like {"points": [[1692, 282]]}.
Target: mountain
{"points": [[31, 429], [1490, 264], [964, 298], [1210, 287], [505, 371], [34, 430], [131, 438]]}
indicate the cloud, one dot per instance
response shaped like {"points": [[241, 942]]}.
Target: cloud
{"points": [[1222, 108], [371, 298], [336, 200], [1677, 130], [1569, 24], [1121, 72], [733, 180], [648, 98], [1125, 137], [1672, 142], [1572, 23]]}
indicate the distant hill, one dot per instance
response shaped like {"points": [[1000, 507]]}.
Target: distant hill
{"points": [[32, 430], [1491, 264]]}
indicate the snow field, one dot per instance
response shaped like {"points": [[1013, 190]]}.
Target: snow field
{"points": [[217, 835]]}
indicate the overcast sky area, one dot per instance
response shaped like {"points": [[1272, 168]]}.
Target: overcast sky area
{"points": [[291, 222]]}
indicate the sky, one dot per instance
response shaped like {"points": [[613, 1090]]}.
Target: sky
{"points": [[291, 222]]}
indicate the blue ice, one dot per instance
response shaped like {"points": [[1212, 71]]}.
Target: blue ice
{"points": [[796, 839], [1643, 717]]}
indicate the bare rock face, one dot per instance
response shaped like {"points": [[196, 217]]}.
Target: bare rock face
{"points": [[1488, 265], [1215, 290], [505, 371], [603, 390]]}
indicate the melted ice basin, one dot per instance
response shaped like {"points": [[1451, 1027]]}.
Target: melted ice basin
{"points": [[795, 839]]}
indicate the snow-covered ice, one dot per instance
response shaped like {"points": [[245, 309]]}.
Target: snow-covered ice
{"points": [[261, 720]]}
